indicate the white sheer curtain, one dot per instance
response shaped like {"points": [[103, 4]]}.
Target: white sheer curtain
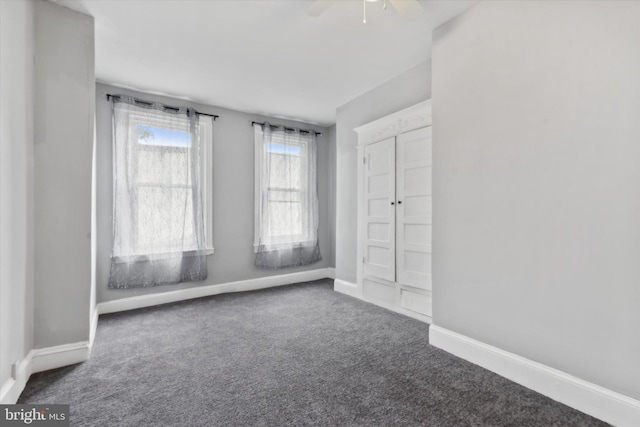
{"points": [[158, 224], [287, 226]]}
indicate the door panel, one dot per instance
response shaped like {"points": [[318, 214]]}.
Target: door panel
{"points": [[380, 214], [414, 301], [415, 206], [380, 292], [413, 196]]}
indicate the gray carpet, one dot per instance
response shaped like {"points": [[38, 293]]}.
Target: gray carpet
{"points": [[299, 355]]}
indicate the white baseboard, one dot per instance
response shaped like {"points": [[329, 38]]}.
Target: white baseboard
{"points": [[12, 388], [331, 272], [205, 291], [44, 359], [39, 360], [346, 288], [418, 316], [351, 289], [597, 401]]}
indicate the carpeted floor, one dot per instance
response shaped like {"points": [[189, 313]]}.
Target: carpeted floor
{"points": [[299, 355]]}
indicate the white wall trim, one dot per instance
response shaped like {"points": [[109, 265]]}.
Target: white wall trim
{"points": [[398, 309], [94, 326], [44, 359], [592, 399], [205, 291], [415, 117], [12, 388], [352, 289], [39, 360], [346, 288]]}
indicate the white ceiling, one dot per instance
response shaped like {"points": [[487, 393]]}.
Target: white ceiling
{"points": [[260, 56]]}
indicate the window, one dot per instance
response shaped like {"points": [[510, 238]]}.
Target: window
{"points": [[162, 162], [162, 181], [286, 204], [161, 194]]}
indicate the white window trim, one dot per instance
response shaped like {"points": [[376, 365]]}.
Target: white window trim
{"points": [[206, 137]]}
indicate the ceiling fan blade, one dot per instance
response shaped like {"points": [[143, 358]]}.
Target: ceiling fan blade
{"points": [[317, 8], [407, 7]]}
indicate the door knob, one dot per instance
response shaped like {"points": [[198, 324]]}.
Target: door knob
{"points": [[399, 202], [392, 203]]}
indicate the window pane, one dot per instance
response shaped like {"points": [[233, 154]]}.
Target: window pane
{"points": [[166, 166], [161, 214], [152, 135], [284, 170], [164, 206], [285, 214]]}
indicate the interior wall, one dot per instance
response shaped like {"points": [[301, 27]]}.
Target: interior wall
{"points": [[17, 47], [536, 111], [64, 122], [233, 196], [404, 90]]}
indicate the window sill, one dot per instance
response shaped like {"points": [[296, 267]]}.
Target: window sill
{"points": [[208, 252], [277, 246]]}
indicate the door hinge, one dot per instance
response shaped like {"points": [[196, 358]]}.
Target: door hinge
{"points": [[364, 160], [364, 260]]}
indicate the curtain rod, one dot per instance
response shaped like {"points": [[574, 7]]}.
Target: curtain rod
{"points": [[168, 107], [288, 128]]}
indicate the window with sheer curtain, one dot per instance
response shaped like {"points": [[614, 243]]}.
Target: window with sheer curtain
{"points": [[286, 199], [160, 180]]}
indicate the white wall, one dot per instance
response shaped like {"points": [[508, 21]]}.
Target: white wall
{"points": [[536, 247], [405, 90], [233, 196], [64, 122], [16, 182]]}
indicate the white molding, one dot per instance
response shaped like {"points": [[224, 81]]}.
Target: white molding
{"points": [[141, 301], [360, 229], [398, 309], [352, 290], [12, 388], [414, 117], [47, 358], [413, 314], [346, 288], [592, 399], [331, 272], [39, 360], [94, 326]]}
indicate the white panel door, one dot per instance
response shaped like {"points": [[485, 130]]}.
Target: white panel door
{"points": [[379, 199], [413, 198]]}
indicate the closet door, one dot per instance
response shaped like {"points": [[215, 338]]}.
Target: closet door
{"points": [[413, 197], [379, 198]]}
